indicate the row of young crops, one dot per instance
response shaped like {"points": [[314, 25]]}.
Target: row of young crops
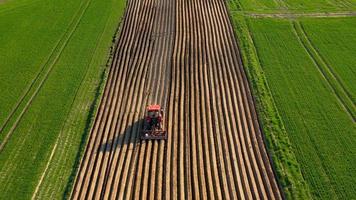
{"points": [[53, 56], [303, 74]]}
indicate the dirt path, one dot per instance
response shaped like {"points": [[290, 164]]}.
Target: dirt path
{"points": [[182, 55]]}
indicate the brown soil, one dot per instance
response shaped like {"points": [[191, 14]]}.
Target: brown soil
{"points": [[182, 55]]}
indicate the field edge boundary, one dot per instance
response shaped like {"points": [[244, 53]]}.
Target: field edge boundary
{"points": [[93, 110], [289, 178]]}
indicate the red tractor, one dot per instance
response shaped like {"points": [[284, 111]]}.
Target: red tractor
{"points": [[153, 125]]}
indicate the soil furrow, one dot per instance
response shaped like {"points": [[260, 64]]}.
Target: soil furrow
{"points": [[183, 56]]}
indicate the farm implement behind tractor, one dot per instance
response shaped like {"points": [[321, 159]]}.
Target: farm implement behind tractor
{"points": [[153, 127]]}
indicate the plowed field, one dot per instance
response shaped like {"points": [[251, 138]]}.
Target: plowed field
{"points": [[182, 55]]}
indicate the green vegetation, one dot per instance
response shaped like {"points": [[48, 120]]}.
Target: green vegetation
{"points": [[58, 51], [285, 162], [337, 47], [27, 42], [321, 131], [326, 71], [321, 5], [297, 5], [258, 4], [302, 74]]}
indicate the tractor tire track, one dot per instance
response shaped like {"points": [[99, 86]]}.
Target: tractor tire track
{"points": [[183, 56]]}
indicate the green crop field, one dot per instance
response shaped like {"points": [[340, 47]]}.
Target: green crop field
{"points": [[296, 5], [337, 46], [53, 58], [302, 69], [320, 129]]}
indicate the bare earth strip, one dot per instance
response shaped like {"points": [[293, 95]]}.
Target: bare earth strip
{"points": [[182, 55]]}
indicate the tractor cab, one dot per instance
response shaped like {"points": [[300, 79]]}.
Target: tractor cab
{"points": [[153, 124]]}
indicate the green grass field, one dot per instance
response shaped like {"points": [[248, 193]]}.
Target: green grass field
{"points": [[26, 44], [296, 5], [319, 128], [302, 72], [53, 57], [336, 46]]}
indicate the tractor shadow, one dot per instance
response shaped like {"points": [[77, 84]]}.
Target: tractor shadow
{"points": [[129, 136]]}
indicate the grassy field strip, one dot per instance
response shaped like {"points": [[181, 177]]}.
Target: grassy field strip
{"points": [[291, 6], [320, 131], [316, 4], [41, 73], [286, 165], [61, 132], [51, 63], [77, 112], [347, 3], [306, 70], [27, 43], [339, 54], [258, 5], [347, 86], [46, 168], [301, 15], [33, 147], [79, 115], [60, 135], [340, 92], [12, 5]]}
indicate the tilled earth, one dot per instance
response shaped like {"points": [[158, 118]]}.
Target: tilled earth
{"points": [[182, 55]]}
